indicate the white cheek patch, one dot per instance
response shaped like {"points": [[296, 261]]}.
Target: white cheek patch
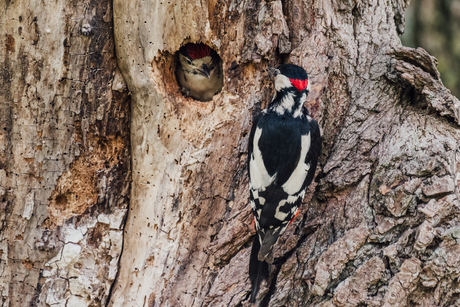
{"points": [[282, 82], [260, 179], [297, 178]]}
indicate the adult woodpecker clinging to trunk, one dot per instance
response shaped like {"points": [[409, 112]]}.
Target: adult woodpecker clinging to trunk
{"points": [[284, 146], [199, 71]]}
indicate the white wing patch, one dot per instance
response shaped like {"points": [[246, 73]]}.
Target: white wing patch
{"points": [[256, 222], [297, 178], [261, 201], [278, 214], [260, 179], [292, 199], [253, 205]]}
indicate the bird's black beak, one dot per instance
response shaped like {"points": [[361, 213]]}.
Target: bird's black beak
{"points": [[205, 71], [272, 71]]}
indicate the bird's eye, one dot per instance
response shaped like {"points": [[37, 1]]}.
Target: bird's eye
{"points": [[276, 73], [189, 62]]}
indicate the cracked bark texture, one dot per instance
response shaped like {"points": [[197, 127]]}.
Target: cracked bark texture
{"points": [[378, 228], [64, 162]]}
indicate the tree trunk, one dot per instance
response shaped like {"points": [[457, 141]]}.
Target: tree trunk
{"points": [[378, 228], [65, 153]]}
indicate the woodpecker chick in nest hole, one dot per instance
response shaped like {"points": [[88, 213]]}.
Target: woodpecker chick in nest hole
{"points": [[199, 71]]}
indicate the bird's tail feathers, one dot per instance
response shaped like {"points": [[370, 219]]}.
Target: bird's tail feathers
{"points": [[258, 270], [269, 240]]}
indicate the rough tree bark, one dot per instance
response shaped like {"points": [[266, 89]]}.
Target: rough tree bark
{"points": [[64, 163], [379, 228]]}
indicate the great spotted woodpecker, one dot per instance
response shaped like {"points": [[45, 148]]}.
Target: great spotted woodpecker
{"points": [[199, 71], [284, 146]]}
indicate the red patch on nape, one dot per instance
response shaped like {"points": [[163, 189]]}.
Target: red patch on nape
{"points": [[198, 51], [299, 84]]}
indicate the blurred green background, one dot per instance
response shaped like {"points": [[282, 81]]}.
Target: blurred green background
{"points": [[434, 25]]}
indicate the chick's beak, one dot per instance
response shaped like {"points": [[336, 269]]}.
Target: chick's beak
{"points": [[272, 71], [205, 71]]}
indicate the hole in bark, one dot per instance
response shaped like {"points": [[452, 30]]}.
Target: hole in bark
{"points": [[198, 71], [61, 200]]}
